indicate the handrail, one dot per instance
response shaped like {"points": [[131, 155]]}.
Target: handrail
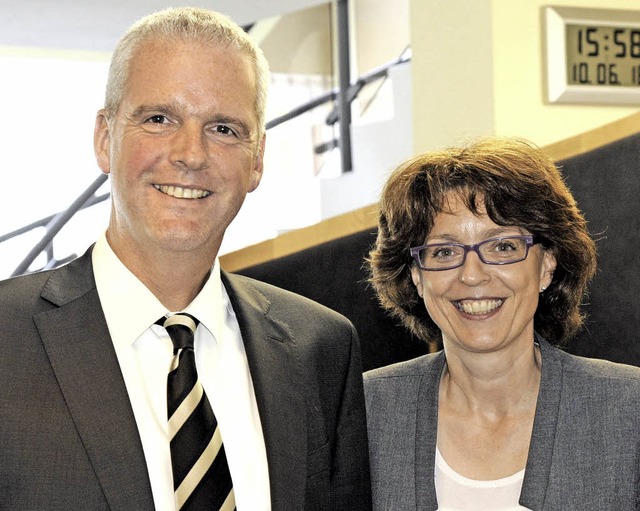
{"points": [[353, 91], [92, 201], [57, 223], [373, 75], [54, 223]]}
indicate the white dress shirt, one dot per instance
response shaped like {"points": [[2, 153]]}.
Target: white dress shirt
{"points": [[144, 351]]}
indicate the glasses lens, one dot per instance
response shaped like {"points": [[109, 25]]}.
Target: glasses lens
{"points": [[504, 250], [441, 257]]}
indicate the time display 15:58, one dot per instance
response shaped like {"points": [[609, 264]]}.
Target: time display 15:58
{"points": [[603, 55]]}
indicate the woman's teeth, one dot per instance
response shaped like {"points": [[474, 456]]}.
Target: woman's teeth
{"points": [[478, 306]]}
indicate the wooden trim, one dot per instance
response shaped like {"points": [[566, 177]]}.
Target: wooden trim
{"points": [[366, 218], [594, 138], [300, 239]]}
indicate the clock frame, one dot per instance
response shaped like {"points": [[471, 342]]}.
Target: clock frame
{"points": [[592, 55]]}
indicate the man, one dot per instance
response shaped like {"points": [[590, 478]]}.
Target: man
{"points": [[83, 364]]}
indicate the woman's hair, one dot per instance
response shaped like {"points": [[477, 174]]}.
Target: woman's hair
{"points": [[185, 24], [518, 185]]}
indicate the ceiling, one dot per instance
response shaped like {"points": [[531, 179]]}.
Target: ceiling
{"points": [[96, 25]]}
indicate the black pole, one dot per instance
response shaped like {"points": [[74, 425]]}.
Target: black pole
{"points": [[344, 72]]}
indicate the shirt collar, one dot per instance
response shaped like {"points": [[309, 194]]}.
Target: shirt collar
{"points": [[130, 308], [211, 303]]}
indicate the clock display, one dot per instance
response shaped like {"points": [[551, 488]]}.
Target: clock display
{"points": [[592, 55], [603, 55]]}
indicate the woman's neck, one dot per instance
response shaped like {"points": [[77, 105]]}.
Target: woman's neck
{"points": [[492, 383]]}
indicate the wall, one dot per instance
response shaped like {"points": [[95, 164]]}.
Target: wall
{"points": [[479, 69], [380, 32], [519, 76], [298, 43]]}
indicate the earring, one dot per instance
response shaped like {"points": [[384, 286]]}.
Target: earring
{"points": [[542, 289]]}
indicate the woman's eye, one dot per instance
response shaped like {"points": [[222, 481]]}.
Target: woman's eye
{"points": [[442, 252], [505, 247]]}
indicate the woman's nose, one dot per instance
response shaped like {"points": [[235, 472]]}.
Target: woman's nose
{"points": [[473, 271]]}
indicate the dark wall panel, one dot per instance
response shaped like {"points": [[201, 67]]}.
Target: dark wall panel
{"points": [[606, 184], [333, 274]]}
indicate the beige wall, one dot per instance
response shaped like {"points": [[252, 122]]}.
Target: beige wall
{"points": [[298, 42], [490, 54], [452, 71], [380, 32]]}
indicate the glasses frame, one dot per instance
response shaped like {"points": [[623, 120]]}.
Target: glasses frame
{"points": [[529, 239]]}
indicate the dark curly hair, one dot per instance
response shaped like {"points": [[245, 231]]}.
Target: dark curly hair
{"points": [[518, 185]]}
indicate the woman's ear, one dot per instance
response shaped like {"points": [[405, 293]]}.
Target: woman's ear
{"points": [[416, 276], [549, 264]]}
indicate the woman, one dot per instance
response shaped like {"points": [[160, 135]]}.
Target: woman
{"points": [[483, 250]]}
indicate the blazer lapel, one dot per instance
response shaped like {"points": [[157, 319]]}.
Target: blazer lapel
{"points": [[277, 382], [426, 435], [79, 347], [540, 457]]}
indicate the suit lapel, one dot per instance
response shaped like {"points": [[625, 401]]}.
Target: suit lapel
{"points": [[79, 347], [277, 382]]}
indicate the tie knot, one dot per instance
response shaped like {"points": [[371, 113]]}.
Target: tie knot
{"points": [[181, 328]]}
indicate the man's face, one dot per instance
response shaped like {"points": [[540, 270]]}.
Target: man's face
{"points": [[182, 149]]}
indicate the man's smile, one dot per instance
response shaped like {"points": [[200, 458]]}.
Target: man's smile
{"points": [[182, 193]]}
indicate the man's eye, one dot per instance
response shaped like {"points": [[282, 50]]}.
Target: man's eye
{"points": [[157, 119], [223, 129]]}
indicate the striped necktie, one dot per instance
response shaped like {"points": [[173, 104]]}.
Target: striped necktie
{"points": [[201, 476]]}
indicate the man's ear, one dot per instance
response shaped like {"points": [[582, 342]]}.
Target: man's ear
{"points": [[101, 142], [258, 166]]}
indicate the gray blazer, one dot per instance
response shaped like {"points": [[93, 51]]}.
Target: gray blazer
{"points": [[585, 446], [68, 437]]}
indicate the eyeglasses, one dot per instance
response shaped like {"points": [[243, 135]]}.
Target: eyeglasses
{"points": [[447, 256]]}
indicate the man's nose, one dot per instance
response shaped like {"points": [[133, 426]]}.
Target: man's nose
{"points": [[189, 148]]}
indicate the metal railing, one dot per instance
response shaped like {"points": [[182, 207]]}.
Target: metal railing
{"points": [[54, 223]]}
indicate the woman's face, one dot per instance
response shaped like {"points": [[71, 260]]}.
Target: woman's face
{"points": [[477, 306]]}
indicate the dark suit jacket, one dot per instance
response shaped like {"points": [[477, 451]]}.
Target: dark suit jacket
{"points": [[68, 437], [585, 446]]}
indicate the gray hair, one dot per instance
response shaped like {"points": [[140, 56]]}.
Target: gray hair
{"points": [[186, 24]]}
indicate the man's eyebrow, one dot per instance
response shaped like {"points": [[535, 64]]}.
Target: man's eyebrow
{"points": [[146, 109]]}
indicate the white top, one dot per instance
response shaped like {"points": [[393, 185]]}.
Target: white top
{"points": [[144, 351], [458, 493]]}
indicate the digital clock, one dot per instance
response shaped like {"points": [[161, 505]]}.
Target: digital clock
{"points": [[592, 55]]}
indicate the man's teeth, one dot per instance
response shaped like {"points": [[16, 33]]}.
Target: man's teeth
{"points": [[478, 306], [182, 193]]}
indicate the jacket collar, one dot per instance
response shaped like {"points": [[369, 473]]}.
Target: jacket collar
{"points": [[538, 469], [279, 387], [77, 342]]}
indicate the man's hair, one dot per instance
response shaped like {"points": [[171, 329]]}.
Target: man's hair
{"points": [[518, 185], [192, 25]]}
